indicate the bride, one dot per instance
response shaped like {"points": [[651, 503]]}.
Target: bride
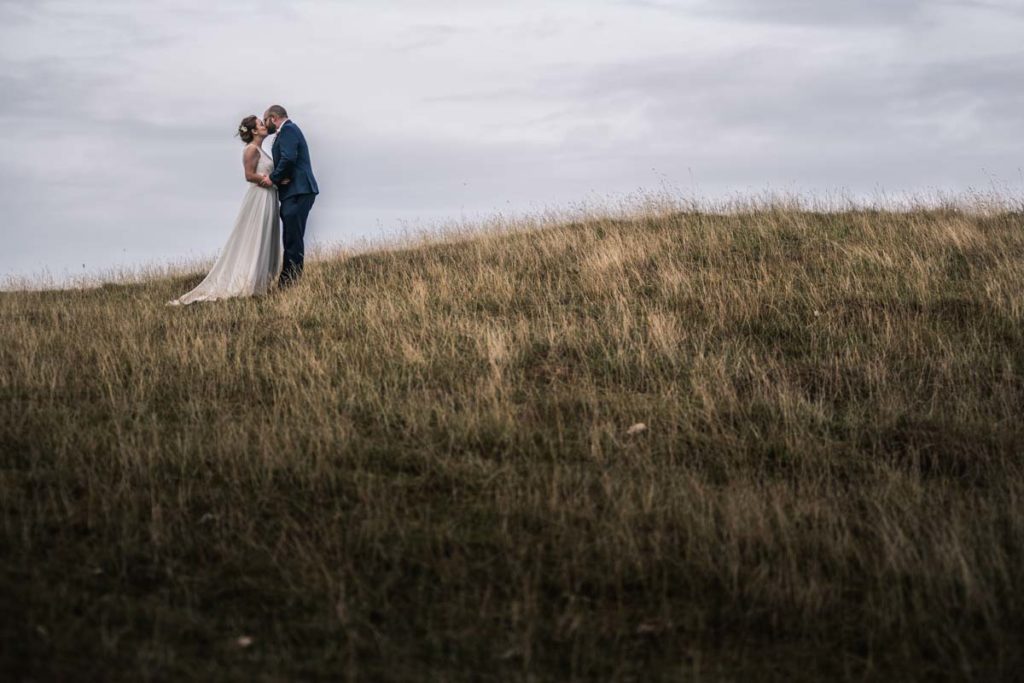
{"points": [[252, 258]]}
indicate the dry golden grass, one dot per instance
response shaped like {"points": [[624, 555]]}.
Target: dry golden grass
{"points": [[419, 464]]}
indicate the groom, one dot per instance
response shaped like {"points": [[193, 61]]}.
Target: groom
{"points": [[296, 187]]}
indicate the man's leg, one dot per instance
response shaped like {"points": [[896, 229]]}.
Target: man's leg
{"points": [[305, 205], [292, 230]]}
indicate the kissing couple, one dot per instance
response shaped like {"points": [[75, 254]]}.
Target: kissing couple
{"points": [[280, 184]]}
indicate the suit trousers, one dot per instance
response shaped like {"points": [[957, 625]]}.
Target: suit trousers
{"points": [[294, 212]]}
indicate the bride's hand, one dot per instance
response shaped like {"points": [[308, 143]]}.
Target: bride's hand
{"points": [[266, 182]]}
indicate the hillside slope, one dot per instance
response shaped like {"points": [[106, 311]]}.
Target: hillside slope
{"points": [[419, 463]]}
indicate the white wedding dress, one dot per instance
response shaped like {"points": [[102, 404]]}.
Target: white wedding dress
{"points": [[252, 258]]}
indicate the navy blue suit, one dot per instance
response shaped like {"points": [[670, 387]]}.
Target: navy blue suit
{"points": [[291, 162]]}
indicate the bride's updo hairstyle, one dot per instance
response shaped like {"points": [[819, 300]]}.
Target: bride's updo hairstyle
{"points": [[246, 128]]}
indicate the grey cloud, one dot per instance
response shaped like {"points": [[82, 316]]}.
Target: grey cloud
{"points": [[481, 95], [808, 12], [839, 13], [736, 117], [761, 114], [430, 35]]}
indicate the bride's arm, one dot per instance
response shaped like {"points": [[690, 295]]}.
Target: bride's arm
{"points": [[250, 159]]}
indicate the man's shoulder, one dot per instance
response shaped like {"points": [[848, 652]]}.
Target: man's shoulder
{"points": [[289, 128]]}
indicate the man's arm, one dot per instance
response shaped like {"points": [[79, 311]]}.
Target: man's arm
{"points": [[288, 148]]}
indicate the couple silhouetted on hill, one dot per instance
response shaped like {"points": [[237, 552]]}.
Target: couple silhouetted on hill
{"points": [[281, 192]]}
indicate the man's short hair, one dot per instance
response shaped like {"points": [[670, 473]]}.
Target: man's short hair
{"points": [[277, 110]]}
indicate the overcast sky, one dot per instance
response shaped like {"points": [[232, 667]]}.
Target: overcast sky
{"points": [[117, 115]]}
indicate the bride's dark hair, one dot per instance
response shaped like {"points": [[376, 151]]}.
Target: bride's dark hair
{"points": [[246, 128]]}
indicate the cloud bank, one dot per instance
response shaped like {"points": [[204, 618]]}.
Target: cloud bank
{"points": [[118, 117]]}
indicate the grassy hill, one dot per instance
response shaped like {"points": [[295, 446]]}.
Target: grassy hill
{"points": [[425, 463]]}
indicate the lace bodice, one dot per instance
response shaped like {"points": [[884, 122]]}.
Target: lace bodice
{"points": [[266, 163]]}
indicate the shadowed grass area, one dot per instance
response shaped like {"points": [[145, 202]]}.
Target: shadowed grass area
{"points": [[418, 464]]}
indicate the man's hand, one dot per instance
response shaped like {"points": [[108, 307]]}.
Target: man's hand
{"points": [[286, 181]]}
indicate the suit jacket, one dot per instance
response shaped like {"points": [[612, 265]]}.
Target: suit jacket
{"points": [[291, 160]]}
